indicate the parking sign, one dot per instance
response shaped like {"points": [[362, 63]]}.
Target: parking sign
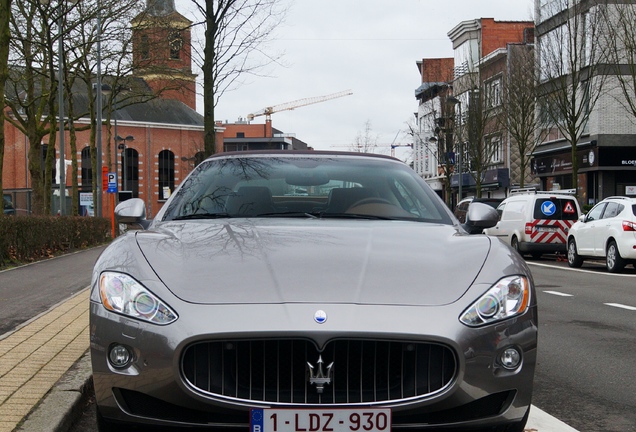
{"points": [[112, 183]]}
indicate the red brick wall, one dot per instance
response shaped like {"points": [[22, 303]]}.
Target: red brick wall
{"points": [[252, 130], [496, 34], [437, 70], [149, 141]]}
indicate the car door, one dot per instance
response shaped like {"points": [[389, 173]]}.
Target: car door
{"points": [[585, 242], [511, 220], [603, 227]]}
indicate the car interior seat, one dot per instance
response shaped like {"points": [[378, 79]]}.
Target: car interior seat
{"points": [[340, 199], [250, 201]]}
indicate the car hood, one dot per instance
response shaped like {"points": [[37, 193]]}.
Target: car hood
{"points": [[311, 260]]}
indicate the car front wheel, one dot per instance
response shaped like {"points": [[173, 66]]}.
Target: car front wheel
{"points": [[613, 260], [574, 259], [515, 245]]}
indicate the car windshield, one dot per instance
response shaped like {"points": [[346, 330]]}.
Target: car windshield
{"points": [[321, 186]]}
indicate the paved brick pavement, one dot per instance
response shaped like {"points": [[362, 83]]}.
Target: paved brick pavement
{"points": [[34, 357]]}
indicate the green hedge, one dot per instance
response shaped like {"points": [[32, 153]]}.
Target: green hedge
{"points": [[31, 238]]}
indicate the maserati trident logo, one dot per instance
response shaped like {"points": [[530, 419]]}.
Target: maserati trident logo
{"points": [[319, 377]]}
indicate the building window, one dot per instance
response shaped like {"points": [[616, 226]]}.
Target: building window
{"points": [[145, 47], [87, 167], [130, 171], [493, 93], [166, 174], [466, 56], [495, 148], [240, 134]]}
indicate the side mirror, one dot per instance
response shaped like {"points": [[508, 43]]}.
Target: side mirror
{"points": [[132, 212], [582, 218], [479, 217]]}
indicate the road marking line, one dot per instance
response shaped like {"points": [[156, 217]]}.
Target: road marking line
{"points": [[557, 293], [622, 306], [580, 270]]}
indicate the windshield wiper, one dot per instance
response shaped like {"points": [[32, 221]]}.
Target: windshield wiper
{"points": [[288, 214], [203, 216], [354, 216]]}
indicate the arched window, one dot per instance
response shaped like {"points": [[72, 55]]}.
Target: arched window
{"points": [[87, 167], [130, 171], [166, 174], [145, 47]]}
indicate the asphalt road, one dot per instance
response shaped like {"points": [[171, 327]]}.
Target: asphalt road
{"points": [[30, 290], [586, 374]]}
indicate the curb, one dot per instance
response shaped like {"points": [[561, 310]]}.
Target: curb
{"points": [[63, 404]]}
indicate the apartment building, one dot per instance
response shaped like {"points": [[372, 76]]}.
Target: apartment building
{"points": [[459, 107], [576, 56]]}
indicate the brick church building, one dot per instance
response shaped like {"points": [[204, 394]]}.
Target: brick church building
{"points": [[151, 145]]}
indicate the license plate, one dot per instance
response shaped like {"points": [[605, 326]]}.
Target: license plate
{"points": [[547, 229], [320, 420]]}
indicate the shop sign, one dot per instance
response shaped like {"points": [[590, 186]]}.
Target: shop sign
{"points": [[562, 162]]}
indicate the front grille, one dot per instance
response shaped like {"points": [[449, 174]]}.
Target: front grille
{"points": [[277, 371]]}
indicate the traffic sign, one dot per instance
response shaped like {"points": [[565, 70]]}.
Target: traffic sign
{"points": [[112, 183]]}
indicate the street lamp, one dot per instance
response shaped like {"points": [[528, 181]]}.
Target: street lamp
{"points": [[454, 101], [100, 91], [60, 100], [98, 135]]}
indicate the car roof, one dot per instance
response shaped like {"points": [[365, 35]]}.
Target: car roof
{"points": [[301, 153], [619, 198]]}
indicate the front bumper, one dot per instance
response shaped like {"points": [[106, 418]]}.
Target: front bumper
{"points": [[153, 390]]}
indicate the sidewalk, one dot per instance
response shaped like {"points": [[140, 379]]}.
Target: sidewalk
{"points": [[34, 357], [38, 395]]}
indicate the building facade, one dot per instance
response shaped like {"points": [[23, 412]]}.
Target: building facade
{"points": [[454, 96], [605, 152]]}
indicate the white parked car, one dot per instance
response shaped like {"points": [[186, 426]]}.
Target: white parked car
{"points": [[607, 231], [536, 222]]}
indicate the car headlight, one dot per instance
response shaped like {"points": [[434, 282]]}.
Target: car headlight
{"points": [[507, 298], [122, 294]]}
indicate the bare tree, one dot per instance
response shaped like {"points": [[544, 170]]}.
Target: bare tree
{"points": [[30, 91], [571, 61], [440, 145], [365, 141], [236, 35], [5, 35], [35, 65], [478, 119], [524, 128]]}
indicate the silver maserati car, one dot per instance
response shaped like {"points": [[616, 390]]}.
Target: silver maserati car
{"points": [[310, 291]]}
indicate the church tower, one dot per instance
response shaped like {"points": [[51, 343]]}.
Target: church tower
{"points": [[162, 51]]}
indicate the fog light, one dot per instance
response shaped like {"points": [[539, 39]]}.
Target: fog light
{"points": [[119, 356], [510, 358]]}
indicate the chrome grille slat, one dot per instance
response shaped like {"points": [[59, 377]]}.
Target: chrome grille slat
{"points": [[276, 370]]}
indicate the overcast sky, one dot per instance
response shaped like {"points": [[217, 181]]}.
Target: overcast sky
{"points": [[367, 46]]}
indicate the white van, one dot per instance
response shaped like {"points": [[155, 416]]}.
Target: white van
{"points": [[536, 222]]}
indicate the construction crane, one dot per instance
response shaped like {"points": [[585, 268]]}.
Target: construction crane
{"points": [[268, 111]]}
